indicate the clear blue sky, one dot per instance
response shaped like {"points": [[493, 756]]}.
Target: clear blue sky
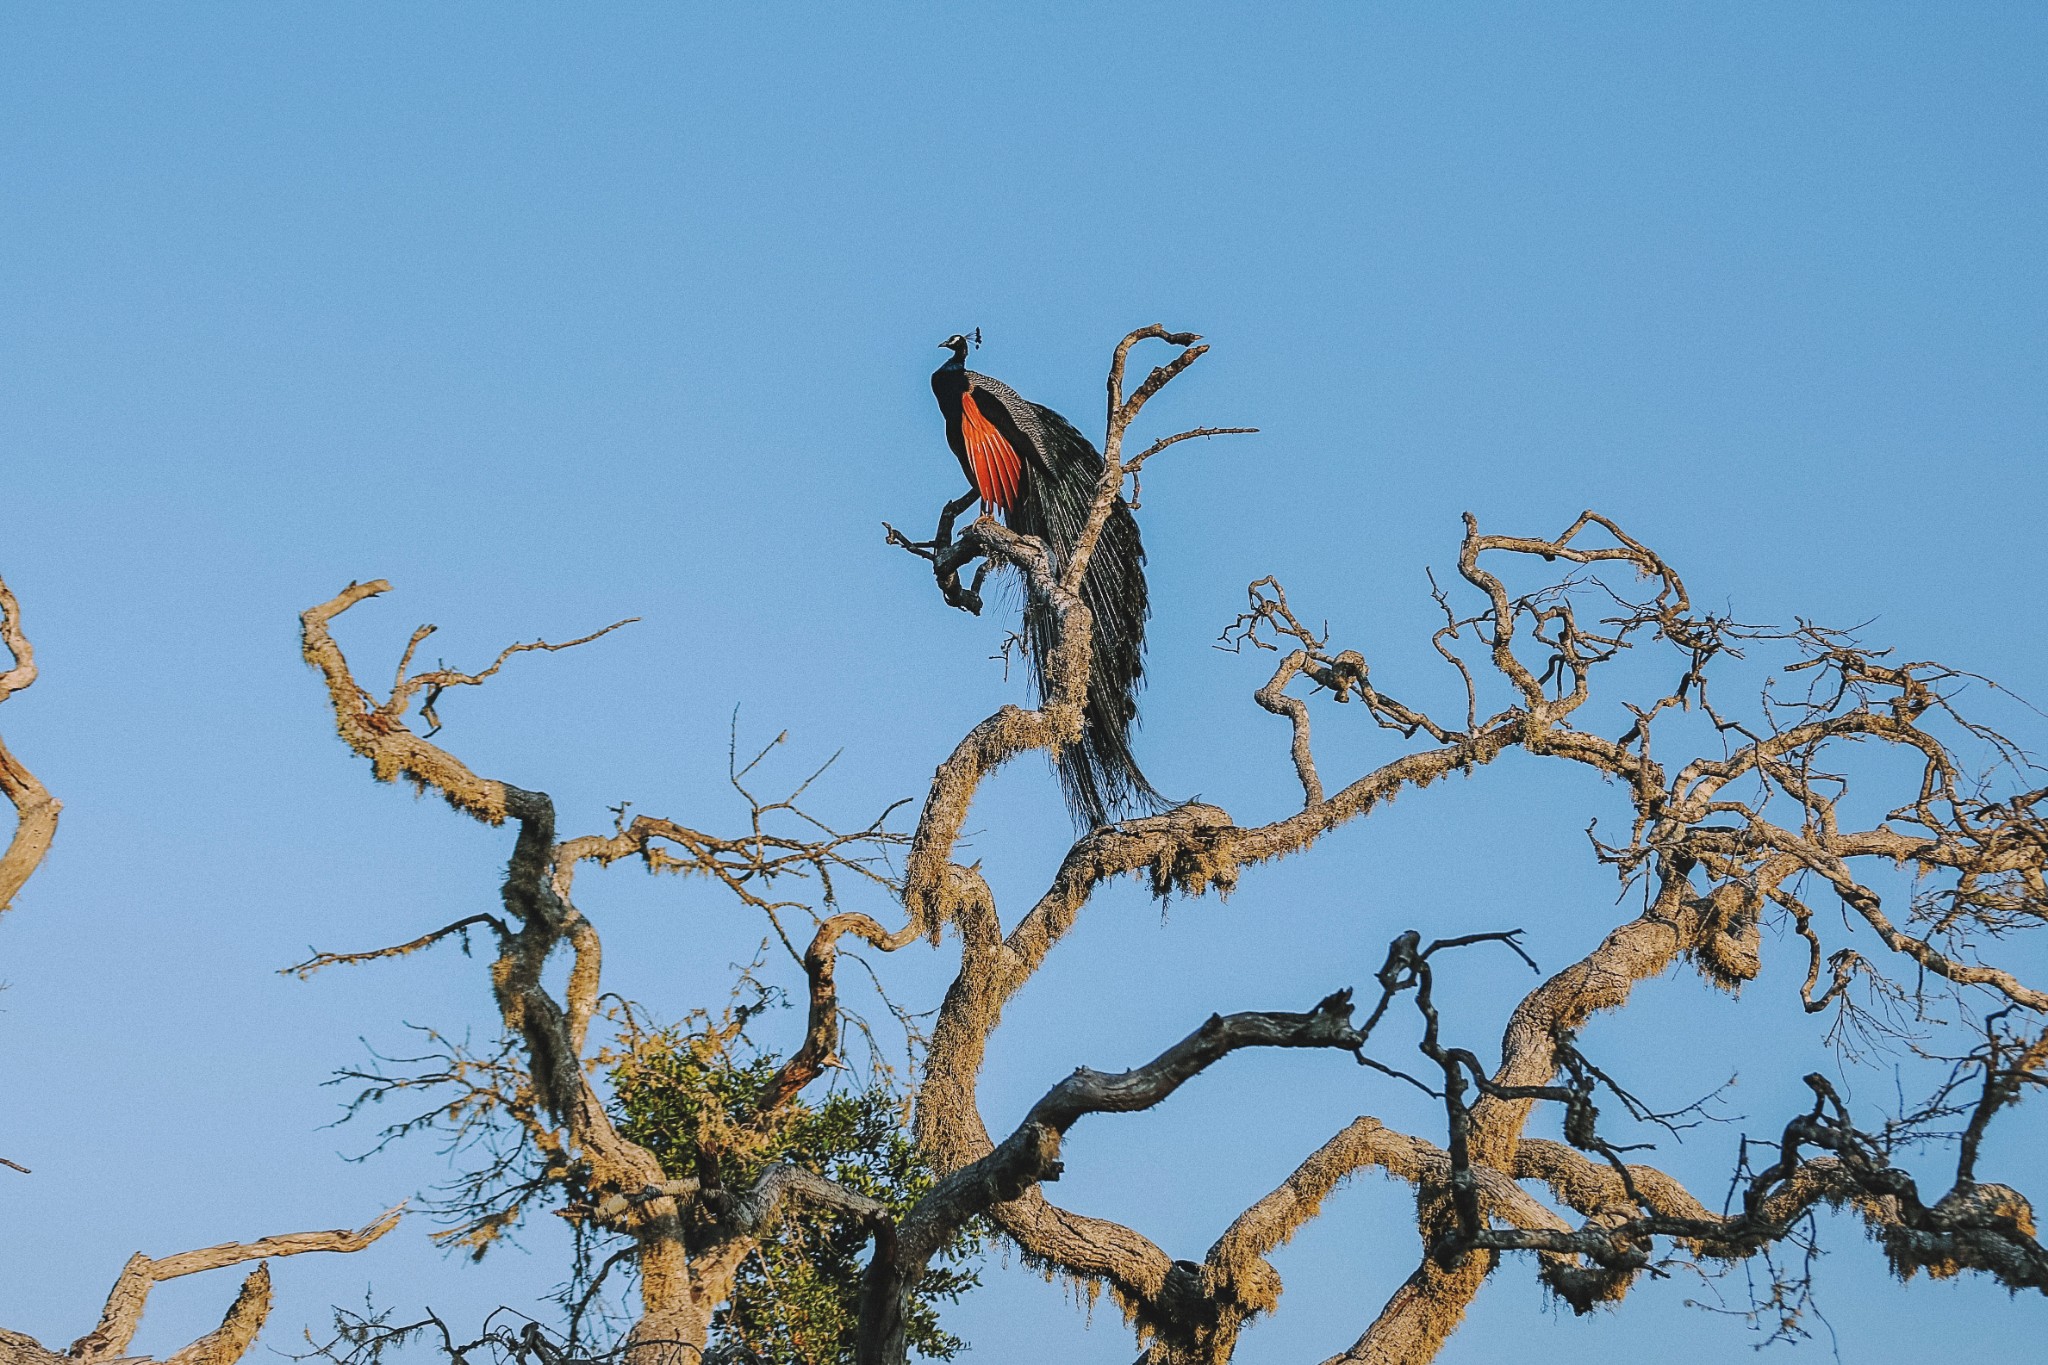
{"points": [[558, 314]]}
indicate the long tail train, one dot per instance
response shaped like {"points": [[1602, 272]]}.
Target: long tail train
{"points": [[1098, 773]]}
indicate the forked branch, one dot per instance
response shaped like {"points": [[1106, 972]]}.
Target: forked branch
{"points": [[130, 1294], [1031, 1154]]}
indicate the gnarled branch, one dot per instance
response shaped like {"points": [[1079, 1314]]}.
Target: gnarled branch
{"points": [[130, 1294]]}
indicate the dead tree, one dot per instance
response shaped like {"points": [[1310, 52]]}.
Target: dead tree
{"points": [[1718, 839], [1731, 818], [685, 1236], [35, 827]]}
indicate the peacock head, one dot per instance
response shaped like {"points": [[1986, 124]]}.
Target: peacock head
{"points": [[958, 344]]}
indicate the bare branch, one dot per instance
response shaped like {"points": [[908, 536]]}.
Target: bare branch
{"points": [[35, 809], [427, 940], [820, 1048], [130, 1294], [1031, 1154]]}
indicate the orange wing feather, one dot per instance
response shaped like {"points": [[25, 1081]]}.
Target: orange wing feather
{"points": [[996, 466]]}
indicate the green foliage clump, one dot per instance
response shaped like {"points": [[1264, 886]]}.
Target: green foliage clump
{"points": [[693, 1097]]}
